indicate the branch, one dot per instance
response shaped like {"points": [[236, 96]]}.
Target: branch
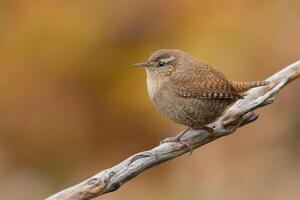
{"points": [[239, 114]]}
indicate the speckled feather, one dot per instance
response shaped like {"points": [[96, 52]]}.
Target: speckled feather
{"points": [[204, 82]]}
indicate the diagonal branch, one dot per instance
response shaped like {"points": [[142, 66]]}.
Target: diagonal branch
{"points": [[239, 114]]}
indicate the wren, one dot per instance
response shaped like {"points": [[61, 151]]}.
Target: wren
{"points": [[189, 91]]}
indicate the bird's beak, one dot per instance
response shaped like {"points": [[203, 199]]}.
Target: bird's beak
{"points": [[144, 64]]}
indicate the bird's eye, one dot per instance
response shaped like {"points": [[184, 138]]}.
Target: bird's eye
{"points": [[160, 64]]}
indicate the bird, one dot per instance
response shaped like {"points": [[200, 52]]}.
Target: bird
{"points": [[188, 91]]}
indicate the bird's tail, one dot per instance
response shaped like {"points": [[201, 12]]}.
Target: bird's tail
{"points": [[244, 86]]}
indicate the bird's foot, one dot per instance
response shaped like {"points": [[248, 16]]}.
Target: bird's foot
{"points": [[178, 139]]}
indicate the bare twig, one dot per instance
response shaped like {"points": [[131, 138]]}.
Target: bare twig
{"points": [[239, 114]]}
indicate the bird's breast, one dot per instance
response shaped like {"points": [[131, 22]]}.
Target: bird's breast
{"points": [[162, 96], [158, 91], [152, 87]]}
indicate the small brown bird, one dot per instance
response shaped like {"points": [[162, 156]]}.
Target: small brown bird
{"points": [[188, 91]]}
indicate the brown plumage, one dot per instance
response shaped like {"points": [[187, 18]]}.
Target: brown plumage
{"points": [[189, 91]]}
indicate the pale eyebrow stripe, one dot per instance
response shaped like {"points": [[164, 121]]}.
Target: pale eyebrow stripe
{"points": [[166, 60]]}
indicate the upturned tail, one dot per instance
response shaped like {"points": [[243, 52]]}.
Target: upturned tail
{"points": [[244, 86]]}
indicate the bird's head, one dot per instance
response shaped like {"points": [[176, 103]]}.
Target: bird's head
{"points": [[164, 62]]}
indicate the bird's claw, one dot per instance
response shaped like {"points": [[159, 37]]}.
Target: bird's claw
{"points": [[177, 139]]}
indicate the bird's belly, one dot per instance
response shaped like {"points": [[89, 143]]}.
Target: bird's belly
{"points": [[191, 112]]}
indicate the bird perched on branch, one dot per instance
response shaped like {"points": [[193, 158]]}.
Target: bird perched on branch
{"points": [[189, 91]]}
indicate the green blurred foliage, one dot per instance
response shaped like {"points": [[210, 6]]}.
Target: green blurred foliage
{"points": [[71, 103]]}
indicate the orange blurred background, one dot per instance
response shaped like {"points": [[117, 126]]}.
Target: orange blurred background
{"points": [[72, 104]]}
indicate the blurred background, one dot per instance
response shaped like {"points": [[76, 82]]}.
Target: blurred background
{"points": [[72, 104]]}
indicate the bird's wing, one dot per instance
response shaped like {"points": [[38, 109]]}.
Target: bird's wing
{"points": [[205, 82]]}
